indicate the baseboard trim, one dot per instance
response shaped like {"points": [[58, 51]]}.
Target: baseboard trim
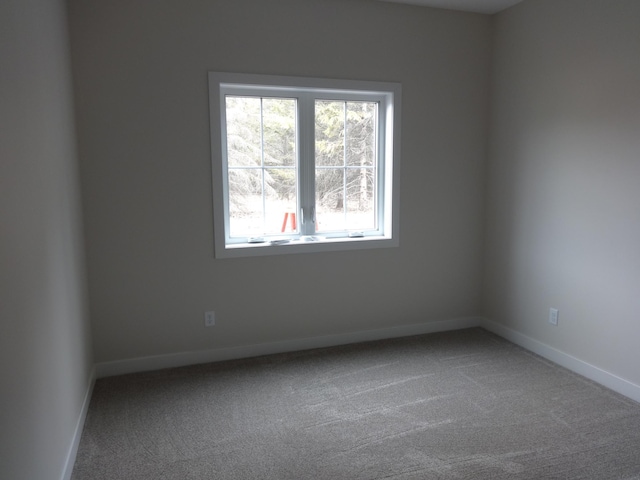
{"points": [[565, 360], [157, 362], [77, 434]]}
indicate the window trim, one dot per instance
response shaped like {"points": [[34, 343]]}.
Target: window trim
{"points": [[306, 88]]}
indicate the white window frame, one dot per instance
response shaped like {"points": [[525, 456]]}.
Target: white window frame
{"points": [[306, 91]]}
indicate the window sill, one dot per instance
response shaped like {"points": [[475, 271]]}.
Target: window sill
{"points": [[304, 245]]}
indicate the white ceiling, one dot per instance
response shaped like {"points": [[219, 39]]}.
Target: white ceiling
{"points": [[478, 6]]}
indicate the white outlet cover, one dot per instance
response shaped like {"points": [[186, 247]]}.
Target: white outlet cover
{"points": [[209, 319], [553, 316]]}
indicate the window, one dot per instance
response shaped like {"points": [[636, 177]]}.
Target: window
{"points": [[302, 165]]}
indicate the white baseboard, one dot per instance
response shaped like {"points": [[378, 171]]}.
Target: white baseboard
{"points": [[158, 362], [77, 434], [565, 360]]}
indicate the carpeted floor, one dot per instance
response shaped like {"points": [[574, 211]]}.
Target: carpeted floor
{"points": [[455, 405]]}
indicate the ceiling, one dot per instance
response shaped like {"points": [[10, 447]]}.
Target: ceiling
{"points": [[478, 6]]}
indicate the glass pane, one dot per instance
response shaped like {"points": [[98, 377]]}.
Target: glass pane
{"points": [[246, 217], [244, 143], [329, 133], [279, 124], [360, 205], [330, 199], [281, 200], [361, 133]]}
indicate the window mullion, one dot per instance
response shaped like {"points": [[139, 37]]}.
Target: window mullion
{"points": [[262, 171], [344, 166], [307, 163]]}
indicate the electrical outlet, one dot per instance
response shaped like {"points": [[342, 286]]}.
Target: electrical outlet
{"points": [[209, 319], [553, 316]]}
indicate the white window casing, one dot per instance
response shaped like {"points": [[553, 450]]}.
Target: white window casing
{"points": [[307, 92]]}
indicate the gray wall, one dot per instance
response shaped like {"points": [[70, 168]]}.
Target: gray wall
{"points": [[45, 357], [563, 196], [142, 107]]}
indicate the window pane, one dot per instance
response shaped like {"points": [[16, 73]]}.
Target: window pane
{"points": [[360, 205], [244, 143], [245, 202], [329, 116], [253, 214], [279, 124], [260, 197], [330, 199], [281, 199], [360, 133]]}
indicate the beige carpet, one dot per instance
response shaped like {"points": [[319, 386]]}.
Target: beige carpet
{"points": [[456, 405]]}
